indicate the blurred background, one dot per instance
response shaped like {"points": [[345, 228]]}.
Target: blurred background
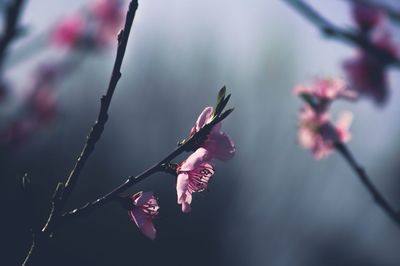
{"points": [[273, 204]]}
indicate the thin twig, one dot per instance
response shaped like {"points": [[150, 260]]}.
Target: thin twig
{"points": [[102, 118], [350, 36], [62, 191], [366, 181], [11, 28], [355, 166], [388, 10], [190, 144]]}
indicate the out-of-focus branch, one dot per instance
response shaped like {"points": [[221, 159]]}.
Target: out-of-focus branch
{"points": [[388, 10], [11, 27], [349, 36], [366, 181], [63, 191], [357, 168]]}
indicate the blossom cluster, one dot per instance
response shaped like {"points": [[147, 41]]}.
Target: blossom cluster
{"points": [[193, 174], [367, 72], [40, 103], [315, 131], [366, 75], [91, 29]]}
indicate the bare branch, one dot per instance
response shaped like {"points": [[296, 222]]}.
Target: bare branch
{"points": [[188, 145], [358, 169], [366, 181], [102, 118], [63, 191], [350, 36], [11, 27]]}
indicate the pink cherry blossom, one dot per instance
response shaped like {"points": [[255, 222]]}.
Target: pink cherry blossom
{"points": [[383, 39], [326, 90], [218, 145], [366, 16], [69, 32], [109, 13], [145, 208], [107, 18], [366, 73], [41, 94], [318, 135], [342, 126], [195, 172], [367, 76], [191, 180]]}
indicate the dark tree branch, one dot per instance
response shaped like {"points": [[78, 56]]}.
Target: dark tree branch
{"points": [[102, 118], [11, 27], [350, 36], [63, 191], [113, 195]]}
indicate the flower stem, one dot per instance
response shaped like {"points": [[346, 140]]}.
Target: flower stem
{"points": [[350, 36], [63, 191], [158, 167], [366, 181]]}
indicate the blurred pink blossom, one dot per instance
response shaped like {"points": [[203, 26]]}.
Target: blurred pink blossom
{"points": [[366, 73], [40, 106], [193, 180], [17, 133], [44, 106], [367, 76], [366, 16], [326, 90], [383, 39], [41, 98], [69, 31], [109, 14], [316, 134], [145, 208], [93, 29]]}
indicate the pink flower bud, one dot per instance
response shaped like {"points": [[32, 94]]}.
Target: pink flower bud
{"points": [[144, 209], [316, 134], [366, 16], [69, 32]]}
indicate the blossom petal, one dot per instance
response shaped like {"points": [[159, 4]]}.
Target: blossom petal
{"points": [[184, 197], [196, 159], [182, 185], [148, 230], [306, 138], [137, 216], [186, 207], [216, 128], [343, 125], [145, 225], [204, 117], [220, 146], [143, 198]]}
